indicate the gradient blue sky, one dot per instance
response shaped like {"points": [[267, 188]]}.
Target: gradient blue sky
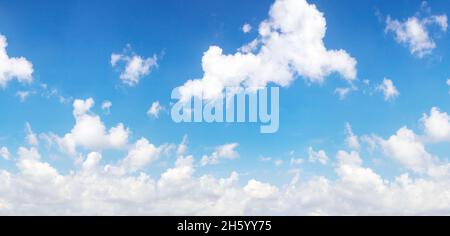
{"points": [[70, 45]]}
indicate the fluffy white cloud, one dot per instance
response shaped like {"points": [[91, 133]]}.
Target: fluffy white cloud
{"points": [[414, 32], [258, 190], [93, 191], [135, 66], [140, 155], [155, 109], [90, 133], [227, 151], [246, 28], [388, 89], [290, 44], [4, 153], [437, 125], [11, 68], [406, 148], [319, 156], [352, 140]]}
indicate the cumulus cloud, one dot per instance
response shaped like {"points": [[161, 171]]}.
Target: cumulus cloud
{"points": [[227, 151], [437, 125], [140, 155], [4, 153], [246, 28], [97, 188], [388, 89], [414, 32], [90, 133], [13, 68], [406, 148], [135, 67], [290, 44], [155, 109], [319, 156]]}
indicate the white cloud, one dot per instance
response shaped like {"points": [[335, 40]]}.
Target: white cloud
{"points": [[135, 66], [106, 106], [258, 190], [437, 125], [319, 156], [415, 32], [18, 68], [246, 28], [4, 153], [31, 137], [92, 191], [227, 151], [388, 89], [140, 155], [90, 133], [406, 148], [352, 140], [93, 188], [155, 109], [290, 44]]}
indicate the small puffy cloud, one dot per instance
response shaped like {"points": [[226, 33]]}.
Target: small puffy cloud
{"points": [[140, 155], [227, 151], [246, 28], [106, 106], [155, 109], [352, 140], [437, 125], [290, 45], [388, 89], [18, 68], [319, 156], [135, 67], [81, 107], [406, 148], [4, 153], [91, 164], [90, 133], [415, 32]]}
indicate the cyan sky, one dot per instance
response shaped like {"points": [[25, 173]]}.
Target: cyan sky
{"points": [[70, 44]]}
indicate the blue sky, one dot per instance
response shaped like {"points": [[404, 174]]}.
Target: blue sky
{"points": [[70, 44]]}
